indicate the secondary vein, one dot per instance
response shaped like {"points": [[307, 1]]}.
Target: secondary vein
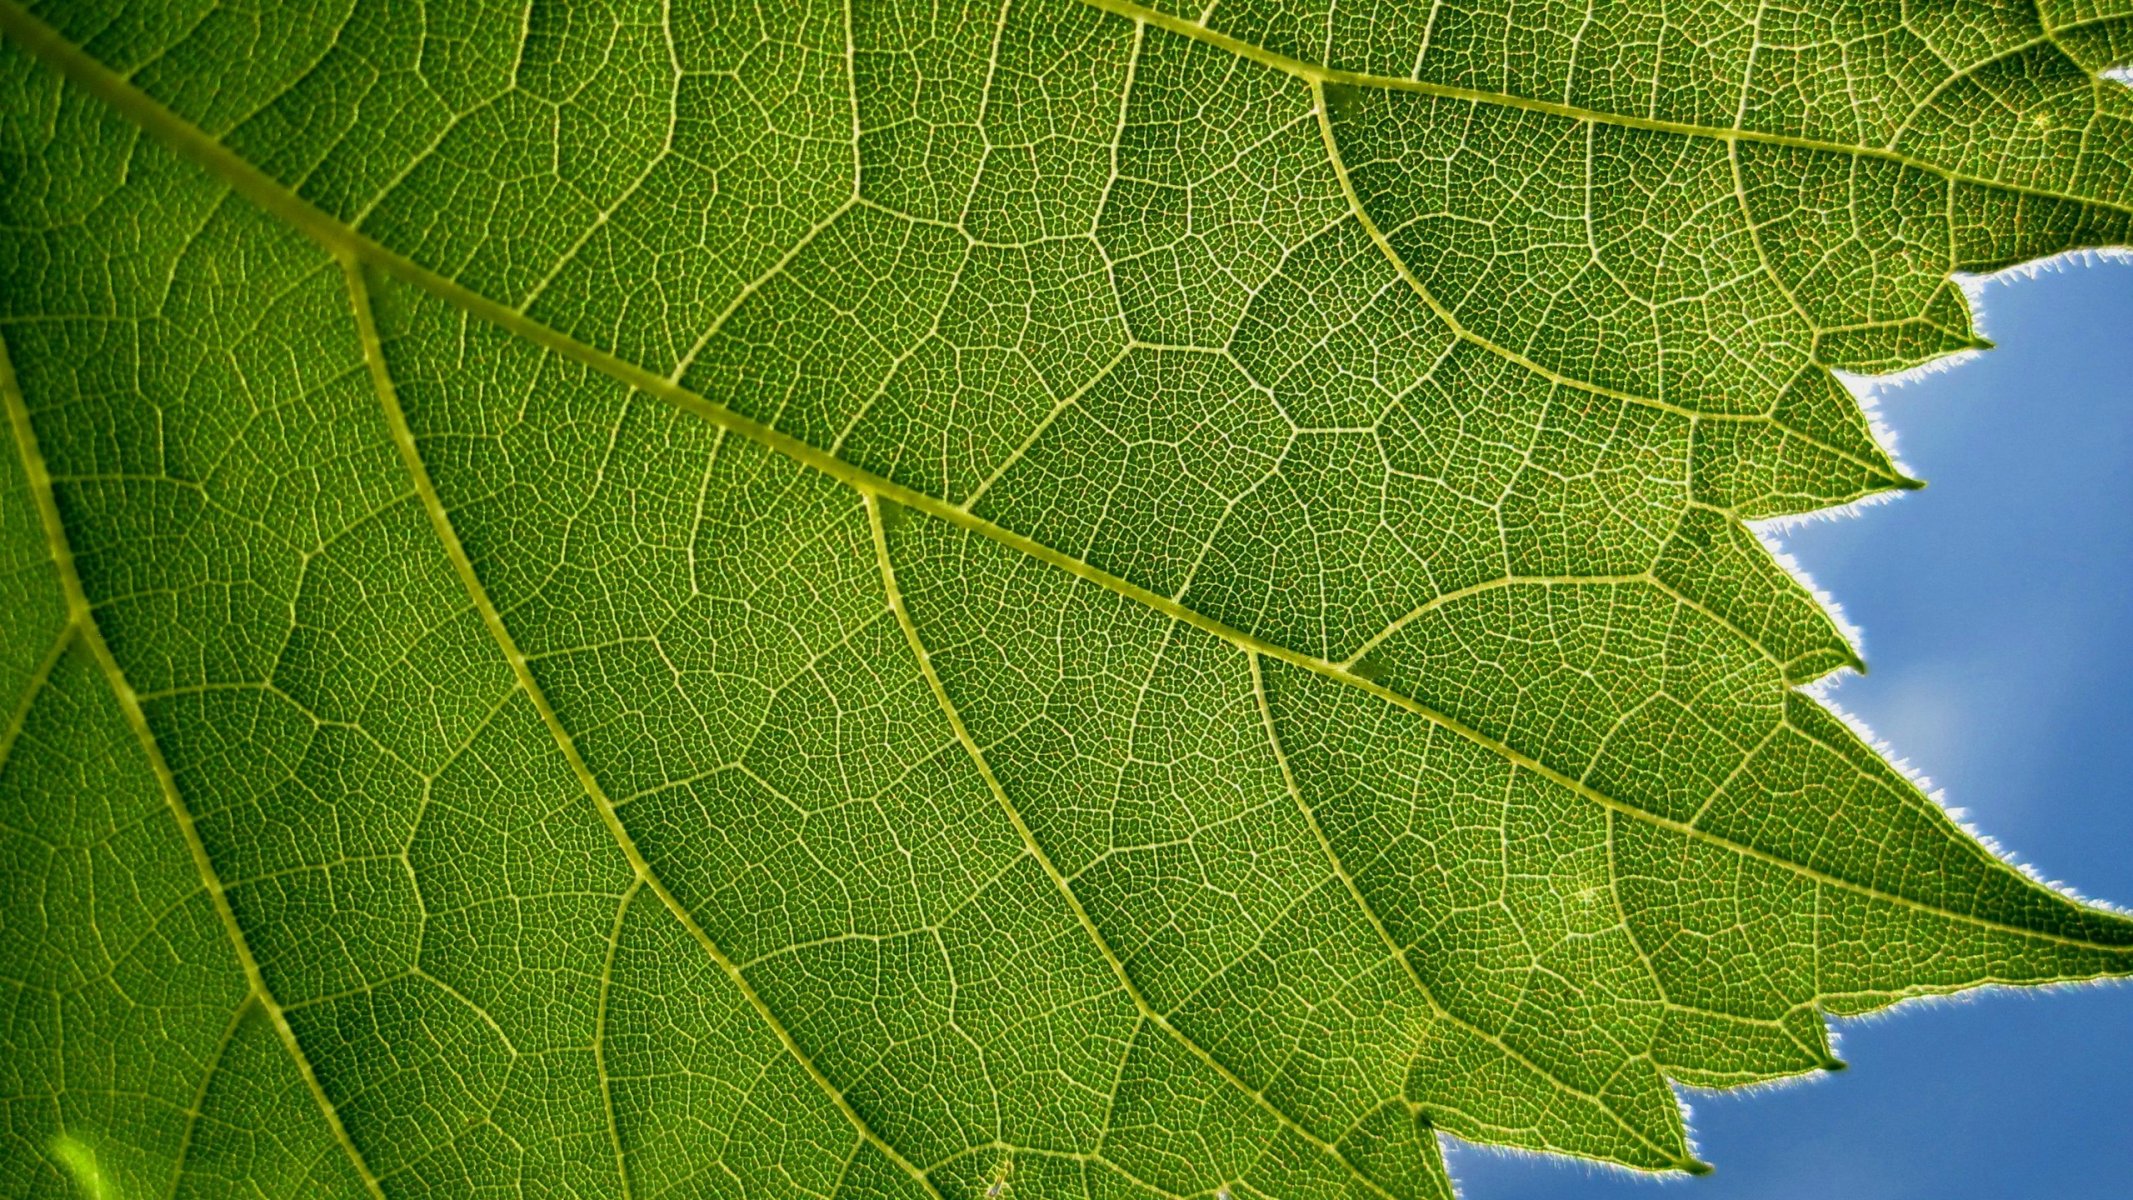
{"points": [[82, 619], [1320, 75], [477, 593], [1051, 870], [346, 244], [1377, 924]]}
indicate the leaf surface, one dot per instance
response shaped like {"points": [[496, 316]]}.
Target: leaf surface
{"points": [[865, 600]]}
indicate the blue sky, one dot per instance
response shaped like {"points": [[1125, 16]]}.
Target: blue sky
{"points": [[1997, 606]]}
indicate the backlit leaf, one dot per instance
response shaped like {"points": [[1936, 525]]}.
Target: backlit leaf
{"points": [[861, 598]]}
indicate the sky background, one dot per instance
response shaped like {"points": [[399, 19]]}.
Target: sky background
{"points": [[1997, 606]]}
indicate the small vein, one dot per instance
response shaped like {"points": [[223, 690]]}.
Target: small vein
{"points": [[31, 689], [607, 1090], [207, 1077]]}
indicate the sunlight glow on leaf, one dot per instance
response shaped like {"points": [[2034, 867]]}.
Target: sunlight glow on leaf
{"points": [[1051, 599]]}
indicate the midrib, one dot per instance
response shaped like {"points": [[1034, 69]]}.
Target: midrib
{"points": [[271, 196]]}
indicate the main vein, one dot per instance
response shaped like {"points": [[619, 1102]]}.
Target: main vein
{"points": [[346, 244]]}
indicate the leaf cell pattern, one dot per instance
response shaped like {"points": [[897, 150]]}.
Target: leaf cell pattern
{"points": [[874, 599]]}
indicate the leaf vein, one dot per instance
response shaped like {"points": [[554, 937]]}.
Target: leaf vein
{"points": [[83, 621], [1149, 1016], [441, 523]]}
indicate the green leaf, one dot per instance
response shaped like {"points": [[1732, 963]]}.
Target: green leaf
{"points": [[869, 599]]}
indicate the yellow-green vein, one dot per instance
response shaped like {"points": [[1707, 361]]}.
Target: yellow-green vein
{"points": [[1036, 851], [82, 618], [477, 594]]}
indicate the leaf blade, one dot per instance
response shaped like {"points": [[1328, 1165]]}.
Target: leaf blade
{"points": [[1197, 560]]}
